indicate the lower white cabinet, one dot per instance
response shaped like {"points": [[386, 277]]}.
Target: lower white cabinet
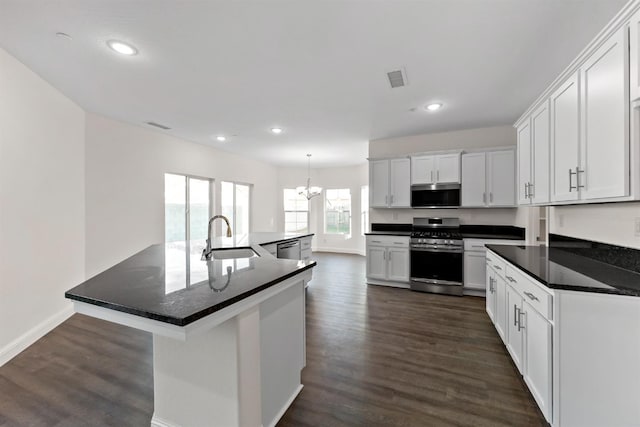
{"points": [[388, 259], [475, 273], [518, 307]]}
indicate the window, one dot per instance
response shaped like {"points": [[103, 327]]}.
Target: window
{"points": [[296, 212], [337, 211], [235, 200], [364, 209], [187, 207]]}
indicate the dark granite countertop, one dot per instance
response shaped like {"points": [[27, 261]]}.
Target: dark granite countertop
{"points": [[503, 232], [169, 282], [388, 233], [262, 238], [558, 268]]}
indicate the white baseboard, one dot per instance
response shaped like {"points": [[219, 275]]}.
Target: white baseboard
{"points": [[286, 406], [18, 345], [340, 251]]}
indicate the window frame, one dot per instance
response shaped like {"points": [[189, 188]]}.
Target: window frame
{"points": [[235, 210], [187, 201], [326, 199], [308, 211]]}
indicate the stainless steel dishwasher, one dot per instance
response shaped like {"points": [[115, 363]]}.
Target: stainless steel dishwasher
{"points": [[289, 250]]}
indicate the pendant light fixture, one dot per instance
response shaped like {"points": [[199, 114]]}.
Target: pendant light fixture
{"points": [[309, 192]]}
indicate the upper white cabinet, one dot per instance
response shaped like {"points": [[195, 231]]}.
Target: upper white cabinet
{"points": [[433, 169], [533, 157], [603, 169], [574, 146], [488, 179], [634, 59], [389, 183], [565, 140]]}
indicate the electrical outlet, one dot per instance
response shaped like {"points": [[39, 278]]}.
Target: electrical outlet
{"points": [[637, 227]]}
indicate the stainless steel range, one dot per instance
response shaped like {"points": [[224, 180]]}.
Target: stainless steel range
{"points": [[437, 256]]}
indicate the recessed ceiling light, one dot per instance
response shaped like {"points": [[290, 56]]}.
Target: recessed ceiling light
{"points": [[276, 130], [122, 47], [433, 107], [221, 138]]}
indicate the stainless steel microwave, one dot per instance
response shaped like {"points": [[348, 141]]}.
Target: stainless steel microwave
{"points": [[435, 196]]}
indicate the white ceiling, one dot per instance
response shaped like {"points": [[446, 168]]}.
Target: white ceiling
{"points": [[316, 68]]}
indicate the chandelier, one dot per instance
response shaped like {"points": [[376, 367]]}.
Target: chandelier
{"points": [[309, 192]]}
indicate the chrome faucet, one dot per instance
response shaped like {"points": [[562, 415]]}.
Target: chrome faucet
{"points": [[207, 250]]}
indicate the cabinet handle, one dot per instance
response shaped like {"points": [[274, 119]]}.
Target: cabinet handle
{"points": [[431, 176], [497, 267], [530, 190], [531, 296], [484, 197], [578, 172], [526, 190], [520, 314], [386, 200], [515, 315], [390, 253], [511, 279], [571, 173], [392, 199], [376, 241], [384, 255], [398, 243], [489, 260], [490, 197], [438, 175]]}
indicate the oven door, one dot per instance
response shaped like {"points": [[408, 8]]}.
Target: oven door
{"points": [[437, 266]]}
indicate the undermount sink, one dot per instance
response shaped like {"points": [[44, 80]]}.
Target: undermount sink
{"points": [[233, 253]]}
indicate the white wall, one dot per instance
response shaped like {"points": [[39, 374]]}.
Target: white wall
{"points": [[125, 167], [612, 223], [351, 177], [464, 139], [42, 238]]}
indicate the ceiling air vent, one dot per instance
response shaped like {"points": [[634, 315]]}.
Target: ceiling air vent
{"points": [[158, 125], [397, 78]]}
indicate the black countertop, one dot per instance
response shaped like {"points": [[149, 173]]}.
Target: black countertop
{"points": [[468, 231], [169, 282], [558, 268]]}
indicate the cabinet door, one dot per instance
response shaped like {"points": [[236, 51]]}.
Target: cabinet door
{"points": [[538, 358], [474, 270], [539, 190], [501, 178], [398, 269], [514, 331], [448, 168], [473, 191], [524, 162], [604, 153], [500, 286], [634, 50], [376, 262], [379, 183], [490, 293], [565, 138], [423, 170], [400, 196]]}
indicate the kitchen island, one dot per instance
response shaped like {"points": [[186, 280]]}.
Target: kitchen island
{"points": [[228, 333]]}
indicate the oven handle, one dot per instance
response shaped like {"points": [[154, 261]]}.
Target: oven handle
{"points": [[438, 249]]}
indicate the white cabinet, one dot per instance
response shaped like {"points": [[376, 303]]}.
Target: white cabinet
{"points": [[388, 258], [589, 128], [533, 157], [514, 326], [389, 183], [565, 140], [436, 168], [496, 295], [475, 259], [473, 191], [537, 371], [490, 298], [305, 248], [604, 151], [634, 59], [524, 161], [488, 179]]}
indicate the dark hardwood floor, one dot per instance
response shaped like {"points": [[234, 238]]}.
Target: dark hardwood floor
{"points": [[376, 356]]}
